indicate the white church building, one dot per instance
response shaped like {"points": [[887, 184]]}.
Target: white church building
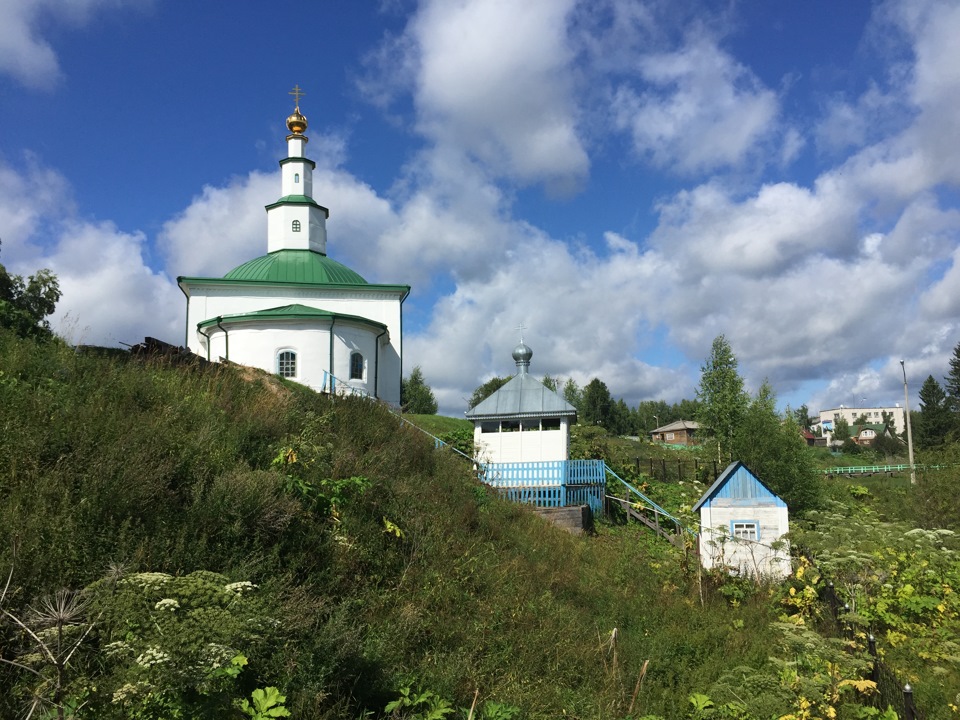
{"points": [[295, 311]]}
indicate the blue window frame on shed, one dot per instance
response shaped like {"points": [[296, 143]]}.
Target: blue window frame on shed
{"points": [[745, 529]]}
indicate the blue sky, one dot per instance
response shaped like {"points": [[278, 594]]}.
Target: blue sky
{"points": [[628, 179]]}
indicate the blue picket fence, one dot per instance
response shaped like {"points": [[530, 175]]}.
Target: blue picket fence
{"points": [[555, 483]]}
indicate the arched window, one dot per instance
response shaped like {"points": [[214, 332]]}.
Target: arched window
{"points": [[296, 226], [356, 366], [287, 364], [296, 177]]}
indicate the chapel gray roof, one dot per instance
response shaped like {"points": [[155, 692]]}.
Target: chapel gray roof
{"points": [[523, 396]]}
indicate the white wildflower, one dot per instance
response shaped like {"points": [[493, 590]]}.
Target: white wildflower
{"points": [[116, 648], [148, 580], [167, 604], [152, 656], [217, 655], [129, 691], [240, 587]]}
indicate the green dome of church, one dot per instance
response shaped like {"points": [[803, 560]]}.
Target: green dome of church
{"points": [[296, 266]]}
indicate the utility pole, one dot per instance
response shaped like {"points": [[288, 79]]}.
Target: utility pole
{"points": [[906, 410]]}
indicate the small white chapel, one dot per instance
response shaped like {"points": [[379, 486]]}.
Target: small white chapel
{"points": [[524, 421], [295, 311]]}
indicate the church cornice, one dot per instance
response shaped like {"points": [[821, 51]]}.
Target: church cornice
{"points": [[298, 200], [367, 290], [311, 163], [289, 313]]}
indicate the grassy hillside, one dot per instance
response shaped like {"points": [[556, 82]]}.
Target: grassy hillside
{"points": [[236, 532], [440, 424]]}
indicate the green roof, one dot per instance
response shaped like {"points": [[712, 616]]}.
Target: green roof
{"points": [[297, 266], [288, 312]]}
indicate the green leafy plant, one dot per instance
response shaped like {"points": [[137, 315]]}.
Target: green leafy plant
{"points": [[267, 703], [413, 705]]}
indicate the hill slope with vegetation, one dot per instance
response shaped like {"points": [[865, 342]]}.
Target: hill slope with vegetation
{"points": [[236, 533], [210, 541]]}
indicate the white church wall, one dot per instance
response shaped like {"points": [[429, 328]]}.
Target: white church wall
{"points": [[211, 301], [258, 345], [348, 340], [290, 184], [281, 234]]}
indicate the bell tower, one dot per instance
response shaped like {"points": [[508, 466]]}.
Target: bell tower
{"points": [[296, 221]]}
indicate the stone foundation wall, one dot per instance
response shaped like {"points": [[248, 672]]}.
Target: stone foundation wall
{"points": [[576, 519]]}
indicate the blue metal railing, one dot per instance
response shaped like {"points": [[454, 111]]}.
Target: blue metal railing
{"points": [[649, 503], [552, 483]]}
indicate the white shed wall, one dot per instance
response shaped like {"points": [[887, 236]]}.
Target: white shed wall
{"points": [[718, 548]]}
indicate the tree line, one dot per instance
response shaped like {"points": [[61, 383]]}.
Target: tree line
{"points": [[594, 403], [937, 423]]}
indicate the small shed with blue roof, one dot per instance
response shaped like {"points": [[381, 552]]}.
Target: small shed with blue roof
{"points": [[742, 524]]}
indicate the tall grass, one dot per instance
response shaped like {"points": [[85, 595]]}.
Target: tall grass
{"points": [[386, 563]]}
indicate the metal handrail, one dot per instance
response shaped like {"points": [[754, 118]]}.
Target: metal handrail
{"points": [[649, 502]]}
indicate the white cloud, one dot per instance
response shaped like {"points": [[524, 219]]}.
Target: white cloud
{"points": [[585, 316], [942, 299], [492, 81], [24, 53], [702, 110], [29, 198], [109, 294], [763, 234], [221, 228], [847, 125]]}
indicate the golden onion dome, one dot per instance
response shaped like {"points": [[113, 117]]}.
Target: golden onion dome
{"points": [[297, 123]]}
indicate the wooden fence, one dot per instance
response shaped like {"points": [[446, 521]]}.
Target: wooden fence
{"points": [[664, 470], [891, 690]]}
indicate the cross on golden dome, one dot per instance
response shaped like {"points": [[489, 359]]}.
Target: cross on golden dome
{"points": [[297, 123], [297, 94]]}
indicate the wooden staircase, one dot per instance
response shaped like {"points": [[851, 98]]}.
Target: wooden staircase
{"points": [[672, 533]]}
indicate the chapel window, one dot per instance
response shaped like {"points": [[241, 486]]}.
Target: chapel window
{"points": [[356, 366], [296, 226], [296, 177], [287, 364]]}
